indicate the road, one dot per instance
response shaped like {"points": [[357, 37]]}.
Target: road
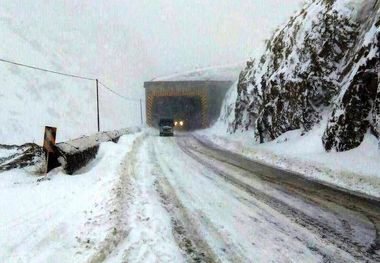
{"points": [[191, 201]]}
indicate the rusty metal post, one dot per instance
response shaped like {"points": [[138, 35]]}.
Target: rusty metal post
{"points": [[97, 103], [49, 145], [141, 112]]}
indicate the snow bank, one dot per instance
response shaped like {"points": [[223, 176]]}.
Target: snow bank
{"points": [[356, 170], [70, 218]]}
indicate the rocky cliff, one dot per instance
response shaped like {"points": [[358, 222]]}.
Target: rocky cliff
{"points": [[323, 63]]}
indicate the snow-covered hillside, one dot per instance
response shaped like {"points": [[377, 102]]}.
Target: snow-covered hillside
{"points": [[323, 62], [31, 99]]}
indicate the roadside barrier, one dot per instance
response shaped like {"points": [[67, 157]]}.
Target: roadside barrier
{"points": [[75, 154]]}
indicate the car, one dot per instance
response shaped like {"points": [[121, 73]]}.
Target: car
{"points": [[166, 127]]}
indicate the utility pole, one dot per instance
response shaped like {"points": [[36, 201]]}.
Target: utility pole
{"points": [[97, 103], [141, 112]]}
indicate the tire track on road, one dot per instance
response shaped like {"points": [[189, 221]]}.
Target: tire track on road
{"points": [[325, 232], [119, 232], [187, 231], [324, 194]]}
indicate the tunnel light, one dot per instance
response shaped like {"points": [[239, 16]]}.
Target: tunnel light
{"points": [[181, 123]]}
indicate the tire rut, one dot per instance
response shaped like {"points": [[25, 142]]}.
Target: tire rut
{"points": [[118, 233], [185, 233], [324, 232], [325, 195]]}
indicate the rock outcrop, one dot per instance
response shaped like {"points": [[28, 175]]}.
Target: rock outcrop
{"points": [[324, 61], [28, 156], [357, 109]]}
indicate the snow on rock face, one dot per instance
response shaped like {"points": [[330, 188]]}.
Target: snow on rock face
{"points": [[29, 156], [358, 104], [307, 70], [376, 111], [295, 78]]}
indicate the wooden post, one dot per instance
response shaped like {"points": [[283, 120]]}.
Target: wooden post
{"points": [[97, 103]]}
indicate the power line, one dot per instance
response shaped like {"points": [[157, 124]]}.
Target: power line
{"points": [[118, 94], [79, 77], [46, 70], [67, 75]]}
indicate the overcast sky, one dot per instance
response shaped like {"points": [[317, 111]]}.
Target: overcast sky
{"points": [[128, 42], [178, 35]]}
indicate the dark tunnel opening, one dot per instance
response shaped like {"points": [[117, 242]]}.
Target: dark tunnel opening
{"points": [[181, 108]]}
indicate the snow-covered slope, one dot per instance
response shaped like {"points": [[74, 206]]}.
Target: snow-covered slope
{"points": [[31, 99], [323, 61]]}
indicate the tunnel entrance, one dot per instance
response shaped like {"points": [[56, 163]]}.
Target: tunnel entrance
{"points": [[180, 108], [197, 103]]}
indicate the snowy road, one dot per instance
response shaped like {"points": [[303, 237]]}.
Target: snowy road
{"points": [[191, 202], [178, 199]]}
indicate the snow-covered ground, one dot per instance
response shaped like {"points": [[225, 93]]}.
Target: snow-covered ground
{"points": [[159, 199], [179, 209], [70, 218], [150, 237], [356, 170]]}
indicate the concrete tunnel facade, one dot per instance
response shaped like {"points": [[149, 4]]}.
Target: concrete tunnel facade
{"points": [[197, 102]]}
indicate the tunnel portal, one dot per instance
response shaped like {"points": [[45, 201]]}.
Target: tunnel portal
{"points": [[197, 103]]}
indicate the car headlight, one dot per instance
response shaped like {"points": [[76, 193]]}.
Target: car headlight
{"points": [[175, 123], [181, 123]]}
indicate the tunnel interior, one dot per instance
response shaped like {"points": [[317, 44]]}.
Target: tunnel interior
{"points": [[179, 108]]}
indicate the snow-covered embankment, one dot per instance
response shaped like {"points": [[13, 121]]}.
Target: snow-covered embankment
{"points": [[75, 219]]}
